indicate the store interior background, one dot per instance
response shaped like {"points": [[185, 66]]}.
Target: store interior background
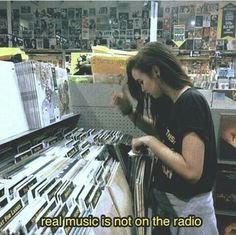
{"points": [[50, 32], [80, 24]]}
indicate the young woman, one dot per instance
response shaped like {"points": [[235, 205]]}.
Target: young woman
{"points": [[180, 133]]}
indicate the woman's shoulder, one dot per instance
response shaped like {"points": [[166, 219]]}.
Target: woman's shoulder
{"points": [[194, 99], [193, 94]]}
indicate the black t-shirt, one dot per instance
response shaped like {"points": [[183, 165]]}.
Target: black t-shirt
{"points": [[190, 113]]}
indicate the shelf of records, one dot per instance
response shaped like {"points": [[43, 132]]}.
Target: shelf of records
{"points": [[71, 180], [203, 81], [37, 92], [223, 78]]}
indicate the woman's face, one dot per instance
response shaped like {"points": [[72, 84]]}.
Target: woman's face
{"points": [[149, 85]]}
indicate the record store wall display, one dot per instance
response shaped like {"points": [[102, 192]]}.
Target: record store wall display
{"points": [[71, 24], [79, 24]]}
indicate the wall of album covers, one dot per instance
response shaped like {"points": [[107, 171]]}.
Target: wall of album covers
{"points": [[76, 24], [121, 25], [198, 25]]}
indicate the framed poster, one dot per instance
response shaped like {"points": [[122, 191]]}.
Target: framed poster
{"points": [[123, 16], [113, 12], [228, 21], [179, 33]]}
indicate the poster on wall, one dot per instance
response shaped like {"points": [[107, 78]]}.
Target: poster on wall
{"points": [[123, 16], [137, 23], [137, 33], [113, 12], [206, 21], [228, 137], [228, 21], [174, 15], [92, 12], [198, 21], [144, 34], [198, 32], [25, 9], [78, 13], [103, 22], [3, 21], [130, 24], [179, 34], [85, 28], [166, 23], [213, 20]]}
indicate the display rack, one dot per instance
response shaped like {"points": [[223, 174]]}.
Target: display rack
{"points": [[68, 121], [225, 212], [93, 101]]}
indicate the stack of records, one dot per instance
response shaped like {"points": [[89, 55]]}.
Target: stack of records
{"points": [[12, 118], [44, 92], [140, 180]]}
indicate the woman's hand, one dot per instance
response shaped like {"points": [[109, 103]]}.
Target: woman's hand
{"points": [[139, 143], [188, 164], [122, 102]]}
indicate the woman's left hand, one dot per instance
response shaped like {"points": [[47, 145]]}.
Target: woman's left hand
{"points": [[137, 143]]}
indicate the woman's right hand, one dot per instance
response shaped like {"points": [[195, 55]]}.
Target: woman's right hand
{"points": [[122, 102]]}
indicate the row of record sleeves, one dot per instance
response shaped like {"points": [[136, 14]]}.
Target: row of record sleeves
{"points": [[44, 92], [37, 92], [83, 175]]}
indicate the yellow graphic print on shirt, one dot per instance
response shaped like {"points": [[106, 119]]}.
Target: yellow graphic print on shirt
{"points": [[166, 170]]}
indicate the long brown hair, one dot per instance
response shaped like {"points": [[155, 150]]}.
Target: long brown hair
{"points": [[151, 55]]}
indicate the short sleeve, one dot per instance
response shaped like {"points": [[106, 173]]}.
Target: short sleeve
{"points": [[195, 115]]}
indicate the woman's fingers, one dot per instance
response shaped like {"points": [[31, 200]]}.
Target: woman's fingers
{"points": [[136, 143]]}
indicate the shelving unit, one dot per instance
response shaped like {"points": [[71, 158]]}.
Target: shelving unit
{"points": [[13, 141], [225, 212], [229, 162]]}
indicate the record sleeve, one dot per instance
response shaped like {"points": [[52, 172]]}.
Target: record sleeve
{"points": [[106, 206], [11, 103], [120, 192], [63, 91]]}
